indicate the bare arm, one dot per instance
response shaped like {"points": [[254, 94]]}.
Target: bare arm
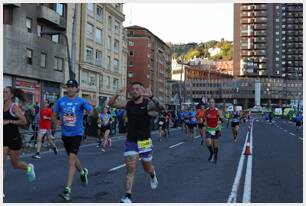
{"points": [[21, 118], [221, 117], [155, 105], [114, 103]]}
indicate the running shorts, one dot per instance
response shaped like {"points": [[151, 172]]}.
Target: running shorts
{"points": [[234, 124], [134, 148], [72, 144]]}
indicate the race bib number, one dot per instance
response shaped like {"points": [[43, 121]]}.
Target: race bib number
{"points": [[69, 120], [144, 144], [193, 119], [161, 123], [211, 131]]}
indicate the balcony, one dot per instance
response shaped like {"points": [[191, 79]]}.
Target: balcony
{"points": [[260, 14], [260, 27], [260, 20], [260, 33], [295, 8], [260, 53], [260, 46], [246, 7], [48, 15], [246, 21], [259, 40], [260, 7]]}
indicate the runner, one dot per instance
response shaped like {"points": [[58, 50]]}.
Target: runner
{"points": [[45, 125], [70, 109], [186, 121], [298, 120], [167, 115], [12, 118], [104, 123], [162, 126], [235, 123], [138, 144], [192, 123], [213, 119], [200, 118]]}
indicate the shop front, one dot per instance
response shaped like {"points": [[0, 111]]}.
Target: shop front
{"points": [[31, 88]]}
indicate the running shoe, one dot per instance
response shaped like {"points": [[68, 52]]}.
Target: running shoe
{"points": [[153, 181], [125, 199], [31, 173], [66, 194], [84, 177], [211, 158], [36, 156]]}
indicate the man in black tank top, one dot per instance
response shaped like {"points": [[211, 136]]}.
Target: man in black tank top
{"points": [[138, 144]]}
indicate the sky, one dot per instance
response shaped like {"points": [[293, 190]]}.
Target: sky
{"points": [[183, 22]]}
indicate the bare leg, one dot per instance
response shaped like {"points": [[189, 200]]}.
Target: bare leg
{"points": [[131, 163], [72, 165], [17, 164]]}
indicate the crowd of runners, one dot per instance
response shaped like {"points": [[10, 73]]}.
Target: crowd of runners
{"points": [[67, 114]]}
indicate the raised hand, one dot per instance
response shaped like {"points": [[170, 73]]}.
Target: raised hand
{"points": [[120, 92]]}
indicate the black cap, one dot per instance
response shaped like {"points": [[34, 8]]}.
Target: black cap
{"points": [[72, 82]]}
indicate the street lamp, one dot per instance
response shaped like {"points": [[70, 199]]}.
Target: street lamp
{"points": [[71, 72]]}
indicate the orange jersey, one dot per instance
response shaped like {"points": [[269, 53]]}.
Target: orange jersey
{"points": [[200, 116]]}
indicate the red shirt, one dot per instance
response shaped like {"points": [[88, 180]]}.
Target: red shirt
{"points": [[211, 118], [45, 123]]}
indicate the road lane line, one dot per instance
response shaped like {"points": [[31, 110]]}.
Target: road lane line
{"points": [[176, 145], [248, 176], [116, 168], [285, 130], [292, 134], [196, 137], [300, 138], [233, 196]]}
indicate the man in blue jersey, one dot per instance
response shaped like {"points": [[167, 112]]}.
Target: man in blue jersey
{"points": [[70, 109], [192, 123]]}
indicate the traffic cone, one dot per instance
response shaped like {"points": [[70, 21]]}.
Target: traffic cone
{"points": [[247, 150]]}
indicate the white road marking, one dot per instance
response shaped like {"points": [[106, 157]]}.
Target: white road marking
{"points": [[116, 168], [233, 196], [300, 138], [292, 134], [248, 176], [285, 130], [176, 145], [196, 137]]}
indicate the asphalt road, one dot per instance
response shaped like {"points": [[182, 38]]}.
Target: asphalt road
{"points": [[273, 173]]}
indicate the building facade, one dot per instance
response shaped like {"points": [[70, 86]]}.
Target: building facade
{"points": [[33, 62], [268, 40], [149, 62], [101, 49]]}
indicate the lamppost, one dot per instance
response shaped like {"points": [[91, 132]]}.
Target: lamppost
{"points": [[71, 72], [181, 82], [269, 97]]}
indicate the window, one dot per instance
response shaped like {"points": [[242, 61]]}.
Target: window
{"points": [[131, 53], [116, 46], [99, 36], [43, 60], [277, 20], [130, 64], [109, 23], [116, 64], [115, 83], [89, 31], [117, 27], [108, 62], [131, 33], [58, 64], [109, 43], [39, 30], [99, 15], [89, 55], [131, 43], [60, 9], [29, 56], [98, 58], [101, 82], [90, 9], [130, 75], [108, 82], [29, 24], [55, 38]]}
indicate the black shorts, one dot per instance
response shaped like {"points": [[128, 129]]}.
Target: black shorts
{"points": [[234, 124], [298, 123], [72, 144], [104, 128], [200, 126], [13, 143], [190, 126]]}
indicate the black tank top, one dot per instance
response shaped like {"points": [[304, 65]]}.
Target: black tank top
{"points": [[139, 122], [10, 130]]}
